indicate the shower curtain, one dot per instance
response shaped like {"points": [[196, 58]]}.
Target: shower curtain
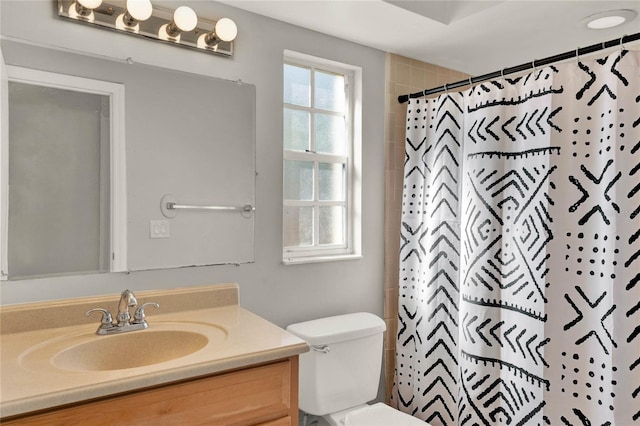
{"points": [[520, 250]]}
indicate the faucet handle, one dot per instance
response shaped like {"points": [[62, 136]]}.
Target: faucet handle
{"points": [[107, 318], [139, 316]]}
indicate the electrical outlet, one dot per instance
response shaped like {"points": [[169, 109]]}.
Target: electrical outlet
{"points": [[159, 229]]}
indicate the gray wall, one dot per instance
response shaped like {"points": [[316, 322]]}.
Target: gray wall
{"points": [[282, 294], [55, 174]]}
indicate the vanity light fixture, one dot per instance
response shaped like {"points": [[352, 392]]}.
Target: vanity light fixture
{"points": [[180, 27]]}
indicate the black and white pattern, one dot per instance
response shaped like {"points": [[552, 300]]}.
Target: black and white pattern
{"points": [[520, 257], [427, 346]]}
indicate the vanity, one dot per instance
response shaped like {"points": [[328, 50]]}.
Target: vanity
{"points": [[202, 360]]}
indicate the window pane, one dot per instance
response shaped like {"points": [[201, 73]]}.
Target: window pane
{"points": [[298, 226], [331, 181], [298, 180], [331, 225], [297, 85], [330, 134], [296, 129], [329, 91]]}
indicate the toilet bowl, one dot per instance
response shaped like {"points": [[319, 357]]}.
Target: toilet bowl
{"points": [[380, 414], [377, 414], [341, 372]]}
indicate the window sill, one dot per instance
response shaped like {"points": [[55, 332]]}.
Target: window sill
{"points": [[318, 259]]}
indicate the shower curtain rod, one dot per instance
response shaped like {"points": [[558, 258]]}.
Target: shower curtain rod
{"points": [[519, 68]]}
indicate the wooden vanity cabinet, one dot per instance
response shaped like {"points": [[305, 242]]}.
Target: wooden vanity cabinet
{"points": [[265, 394]]}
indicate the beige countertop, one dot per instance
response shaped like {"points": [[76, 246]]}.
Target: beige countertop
{"points": [[237, 338]]}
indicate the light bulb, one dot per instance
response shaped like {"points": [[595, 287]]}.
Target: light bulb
{"points": [[140, 10], [84, 9], [90, 4], [163, 34], [226, 29], [185, 18]]}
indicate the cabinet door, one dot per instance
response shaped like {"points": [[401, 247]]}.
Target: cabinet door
{"points": [[267, 394]]}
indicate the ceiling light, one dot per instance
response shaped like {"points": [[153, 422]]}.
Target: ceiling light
{"points": [[608, 19]]}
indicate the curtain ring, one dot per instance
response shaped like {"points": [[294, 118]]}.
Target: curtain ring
{"points": [[622, 44], [445, 88], [577, 55], [533, 65]]}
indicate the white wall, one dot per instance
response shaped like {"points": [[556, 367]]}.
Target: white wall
{"points": [[282, 294]]}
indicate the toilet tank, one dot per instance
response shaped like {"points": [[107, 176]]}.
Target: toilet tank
{"points": [[342, 369]]}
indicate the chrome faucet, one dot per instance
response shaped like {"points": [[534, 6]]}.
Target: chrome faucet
{"points": [[127, 300], [123, 319]]}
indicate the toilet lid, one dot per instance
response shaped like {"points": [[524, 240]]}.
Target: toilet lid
{"points": [[381, 415]]}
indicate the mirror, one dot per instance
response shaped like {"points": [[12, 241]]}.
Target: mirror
{"points": [[59, 192], [187, 135]]}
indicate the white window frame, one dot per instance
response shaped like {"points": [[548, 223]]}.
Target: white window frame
{"points": [[351, 249], [118, 213]]}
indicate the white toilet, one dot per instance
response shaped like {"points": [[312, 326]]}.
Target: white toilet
{"points": [[341, 372]]}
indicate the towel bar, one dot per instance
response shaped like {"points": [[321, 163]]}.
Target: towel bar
{"points": [[169, 207]]}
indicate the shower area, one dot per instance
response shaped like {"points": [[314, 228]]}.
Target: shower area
{"points": [[513, 293]]}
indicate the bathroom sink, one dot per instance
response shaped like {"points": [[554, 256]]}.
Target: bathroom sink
{"points": [[88, 352], [129, 350]]}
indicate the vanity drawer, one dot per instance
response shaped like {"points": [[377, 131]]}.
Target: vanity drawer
{"points": [[265, 394], [283, 421]]}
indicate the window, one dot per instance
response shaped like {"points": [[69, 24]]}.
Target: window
{"points": [[319, 168]]}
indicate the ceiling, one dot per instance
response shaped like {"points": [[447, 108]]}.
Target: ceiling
{"points": [[475, 37]]}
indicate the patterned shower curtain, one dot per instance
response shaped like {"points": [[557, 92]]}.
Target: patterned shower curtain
{"points": [[520, 253]]}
